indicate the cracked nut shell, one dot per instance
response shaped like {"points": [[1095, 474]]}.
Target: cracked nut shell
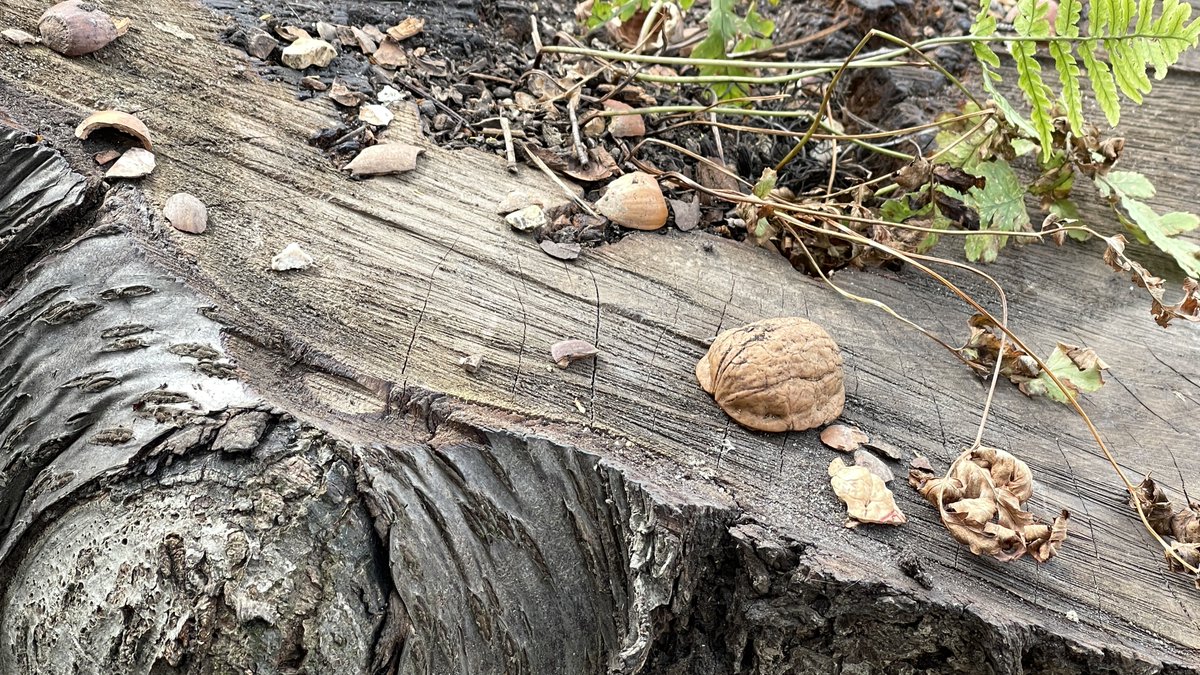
{"points": [[75, 28], [775, 375]]}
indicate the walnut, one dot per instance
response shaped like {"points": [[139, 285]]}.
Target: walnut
{"points": [[775, 375]]}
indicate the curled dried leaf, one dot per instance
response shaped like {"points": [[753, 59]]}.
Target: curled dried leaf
{"points": [[981, 502], [867, 498]]}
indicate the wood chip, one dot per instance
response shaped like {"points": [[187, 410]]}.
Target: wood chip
{"points": [[406, 28], [313, 83], [385, 158], [260, 45], [135, 163], [886, 449], [291, 33], [390, 54], [172, 29], [366, 44], [105, 157], [342, 95]]}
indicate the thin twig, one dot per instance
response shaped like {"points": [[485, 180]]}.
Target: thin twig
{"points": [[510, 153], [558, 181]]}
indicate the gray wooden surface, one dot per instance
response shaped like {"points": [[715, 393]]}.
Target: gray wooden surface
{"points": [[417, 271]]}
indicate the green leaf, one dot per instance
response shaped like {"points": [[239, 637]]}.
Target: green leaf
{"points": [[1065, 208], [1103, 85], [1001, 207], [1178, 222], [1064, 62], [1125, 184], [1084, 374], [1033, 21], [1150, 225], [766, 183], [1023, 146]]}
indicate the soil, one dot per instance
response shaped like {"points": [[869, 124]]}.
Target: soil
{"points": [[475, 60]]}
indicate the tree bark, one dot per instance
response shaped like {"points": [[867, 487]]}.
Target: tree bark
{"points": [[206, 467]]}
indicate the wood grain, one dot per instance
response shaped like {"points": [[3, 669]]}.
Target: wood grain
{"points": [[416, 271]]}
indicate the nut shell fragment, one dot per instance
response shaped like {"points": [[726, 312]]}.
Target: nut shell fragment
{"points": [[18, 37], [292, 257], [115, 119], [186, 213], [634, 200], [135, 163], [780, 374], [75, 28], [625, 126], [384, 158], [568, 351]]}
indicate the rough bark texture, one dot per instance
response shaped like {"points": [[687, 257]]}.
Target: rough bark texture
{"points": [[205, 467]]}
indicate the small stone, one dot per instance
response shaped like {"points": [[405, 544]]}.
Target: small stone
{"points": [[375, 114], [471, 363], [427, 108], [307, 52], [687, 214], [292, 257], [1072, 615], [527, 219], [327, 31], [135, 163], [18, 37], [260, 44], [502, 92], [389, 94]]}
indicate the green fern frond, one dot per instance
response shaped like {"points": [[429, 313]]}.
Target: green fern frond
{"points": [[1067, 25], [1033, 21], [1134, 36]]}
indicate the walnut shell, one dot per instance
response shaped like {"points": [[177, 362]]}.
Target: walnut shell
{"points": [[635, 201], [775, 375], [75, 28]]}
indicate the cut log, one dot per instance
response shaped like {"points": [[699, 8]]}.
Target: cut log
{"points": [[206, 466]]}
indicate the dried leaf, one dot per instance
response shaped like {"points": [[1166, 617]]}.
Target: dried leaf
{"points": [[1187, 309], [867, 498], [981, 501], [843, 437]]}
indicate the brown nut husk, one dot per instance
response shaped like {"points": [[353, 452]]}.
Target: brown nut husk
{"points": [[186, 213], [115, 119], [780, 374], [635, 201], [75, 28]]}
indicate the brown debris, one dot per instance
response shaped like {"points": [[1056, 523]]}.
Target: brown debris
{"points": [[115, 119], [635, 201], [385, 158], [406, 28], [1187, 309], [981, 503], [843, 437]]}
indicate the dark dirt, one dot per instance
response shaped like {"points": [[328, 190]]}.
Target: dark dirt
{"points": [[475, 61]]}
